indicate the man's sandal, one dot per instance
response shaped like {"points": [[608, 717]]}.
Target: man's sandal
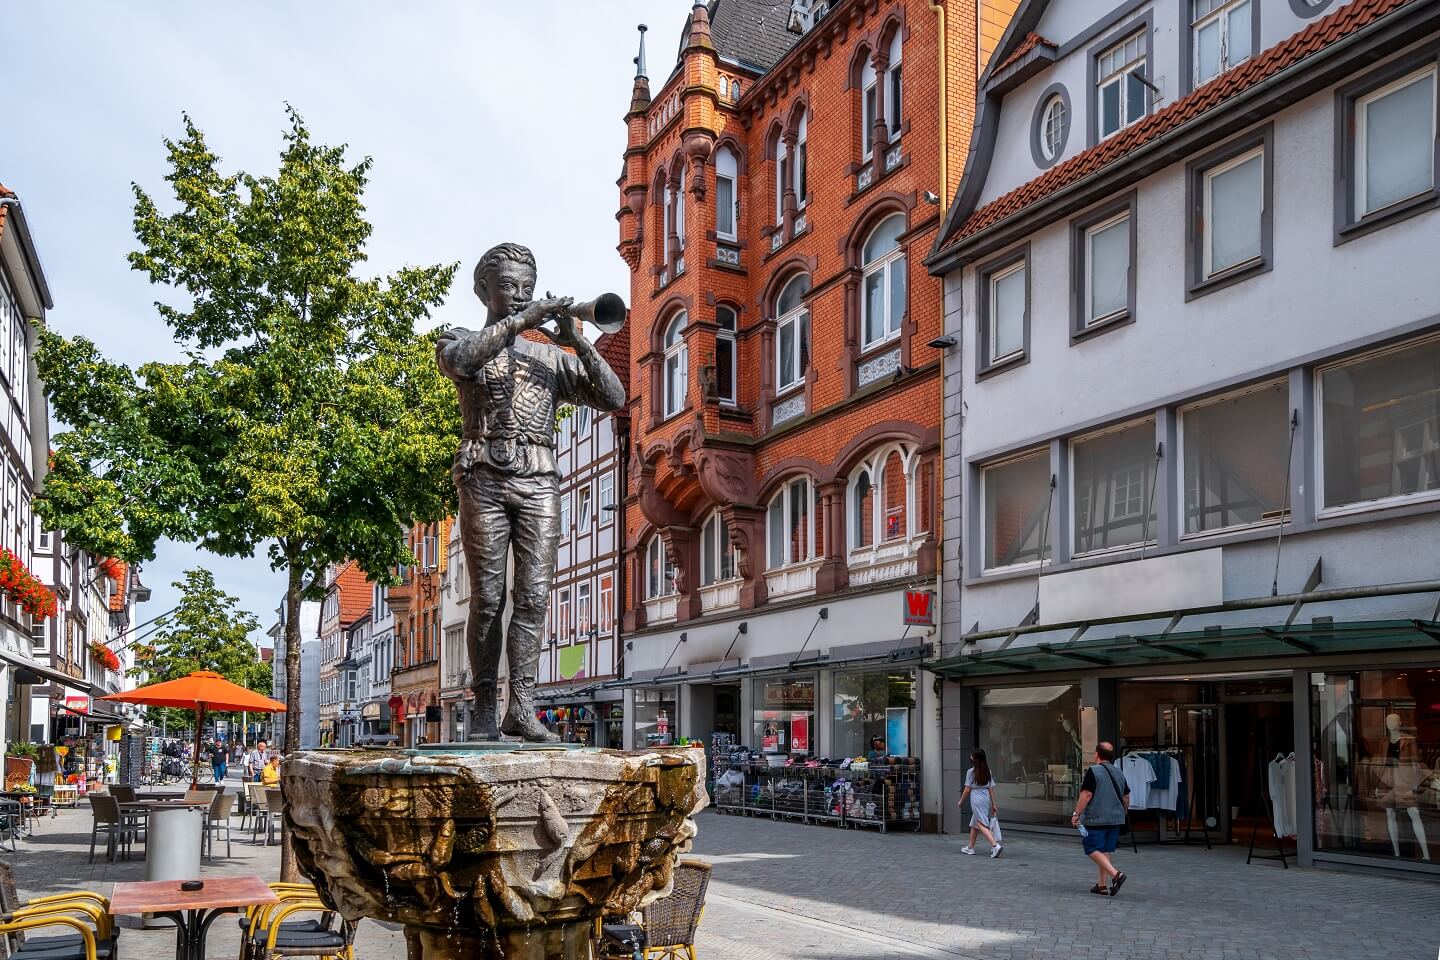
{"points": [[1103, 891]]}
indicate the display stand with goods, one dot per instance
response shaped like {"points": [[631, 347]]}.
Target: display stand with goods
{"points": [[848, 792]]}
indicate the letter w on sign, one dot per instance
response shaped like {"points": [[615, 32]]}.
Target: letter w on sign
{"points": [[919, 608]]}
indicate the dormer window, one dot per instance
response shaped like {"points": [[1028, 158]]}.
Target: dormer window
{"points": [[1222, 34], [1121, 95]]}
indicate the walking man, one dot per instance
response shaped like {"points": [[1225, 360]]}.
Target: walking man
{"points": [[1099, 815]]}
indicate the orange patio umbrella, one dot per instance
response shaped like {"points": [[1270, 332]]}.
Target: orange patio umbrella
{"points": [[202, 690]]}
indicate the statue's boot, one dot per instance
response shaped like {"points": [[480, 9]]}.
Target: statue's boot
{"points": [[520, 713], [483, 715]]}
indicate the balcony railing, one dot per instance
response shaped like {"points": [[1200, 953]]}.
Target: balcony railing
{"points": [[662, 609], [891, 560], [793, 580], [720, 596]]}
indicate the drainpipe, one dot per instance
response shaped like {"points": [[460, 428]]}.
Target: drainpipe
{"points": [[939, 7]]}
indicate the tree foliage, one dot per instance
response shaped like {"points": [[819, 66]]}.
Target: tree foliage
{"points": [[307, 418], [207, 631]]}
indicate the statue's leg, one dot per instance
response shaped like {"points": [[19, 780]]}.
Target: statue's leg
{"points": [[535, 534], [485, 535]]}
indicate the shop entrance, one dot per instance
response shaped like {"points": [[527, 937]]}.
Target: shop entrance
{"points": [[1223, 733]]}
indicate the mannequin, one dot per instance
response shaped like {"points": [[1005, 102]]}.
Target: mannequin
{"points": [[1403, 767]]}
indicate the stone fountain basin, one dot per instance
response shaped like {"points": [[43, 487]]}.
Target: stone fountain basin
{"points": [[494, 839]]}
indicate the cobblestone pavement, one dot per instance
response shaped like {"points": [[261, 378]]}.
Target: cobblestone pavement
{"points": [[794, 892]]}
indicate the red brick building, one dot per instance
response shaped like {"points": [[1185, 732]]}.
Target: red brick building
{"points": [[416, 602], [780, 185]]}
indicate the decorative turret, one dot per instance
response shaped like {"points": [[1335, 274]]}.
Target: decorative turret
{"points": [[640, 95], [699, 63], [633, 178], [700, 28]]}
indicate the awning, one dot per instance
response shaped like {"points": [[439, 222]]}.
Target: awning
{"points": [[574, 692], [1197, 646], [371, 711], [46, 674], [1024, 696]]}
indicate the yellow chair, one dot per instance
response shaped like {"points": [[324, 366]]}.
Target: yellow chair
{"points": [[18, 925], [269, 933]]}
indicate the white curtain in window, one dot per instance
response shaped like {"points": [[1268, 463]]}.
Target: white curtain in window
{"points": [[1400, 143], [1109, 257], [1009, 316], [1236, 201], [725, 176]]}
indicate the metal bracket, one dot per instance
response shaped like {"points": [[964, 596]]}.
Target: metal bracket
{"points": [[1030, 618], [1311, 582]]}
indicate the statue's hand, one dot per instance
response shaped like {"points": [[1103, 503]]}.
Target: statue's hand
{"points": [[538, 311]]}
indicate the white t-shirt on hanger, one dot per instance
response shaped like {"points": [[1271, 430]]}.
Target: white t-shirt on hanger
{"points": [[1139, 775]]}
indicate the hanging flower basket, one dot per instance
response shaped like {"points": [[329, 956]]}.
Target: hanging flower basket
{"points": [[104, 655], [22, 586]]}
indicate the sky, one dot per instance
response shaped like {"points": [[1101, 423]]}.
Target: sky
{"points": [[488, 120]]}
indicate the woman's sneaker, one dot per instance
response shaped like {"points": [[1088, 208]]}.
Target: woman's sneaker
{"points": [[968, 851], [995, 851]]}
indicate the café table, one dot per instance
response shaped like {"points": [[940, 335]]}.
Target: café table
{"points": [[192, 910]]}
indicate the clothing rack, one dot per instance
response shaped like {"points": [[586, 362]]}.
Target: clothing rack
{"points": [[1267, 805], [1192, 770]]}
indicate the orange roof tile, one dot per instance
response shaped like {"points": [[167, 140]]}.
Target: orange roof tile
{"points": [[615, 348], [355, 593], [1257, 69], [1031, 41]]}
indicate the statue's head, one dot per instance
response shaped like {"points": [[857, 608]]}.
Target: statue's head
{"points": [[505, 279]]}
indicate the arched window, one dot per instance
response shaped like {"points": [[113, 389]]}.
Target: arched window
{"points": [[677, 365], [677, 199], [889, 497], [894, 101], [792, 333], [782, 176], [727, 204], [801, 183], [867, 111], [884, 264], [725, 354], [659, 571], [790, 525], [717, 556]]}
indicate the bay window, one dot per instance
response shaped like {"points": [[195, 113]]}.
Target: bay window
{"points": [[1018, 503], [883, 302], [789, 524], [659, 571], [1112, 499], [887, 497], [792, 334], [727, 202], [717, 556], [1236, 458], [677, 366], [1380, 427]]}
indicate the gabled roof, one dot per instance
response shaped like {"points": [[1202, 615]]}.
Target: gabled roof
{"points": [[751, 33], [12, 218], [355, 592], [1030, 41], [962, 224]]}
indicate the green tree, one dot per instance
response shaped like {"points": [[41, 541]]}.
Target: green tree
{"points": [[207, 631], [307, 419]]}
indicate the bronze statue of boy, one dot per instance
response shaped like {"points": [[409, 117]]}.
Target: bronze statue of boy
{"points": [[505, 470]]}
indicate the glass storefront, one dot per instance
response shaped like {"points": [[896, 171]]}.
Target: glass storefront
{"points": [[655, 717], [874, 705], [1031, 737], [785, 714], [1377, 750]]}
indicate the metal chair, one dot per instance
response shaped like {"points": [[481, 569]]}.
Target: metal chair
{"points": [[266, 931], [274, 813], [118, 829], [84, 912], [123, 792], [670, 923], [217, 818]]}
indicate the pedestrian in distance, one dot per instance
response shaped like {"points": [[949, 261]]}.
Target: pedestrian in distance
{"points": [[1099, 814], [979, 789], [218, 764]]}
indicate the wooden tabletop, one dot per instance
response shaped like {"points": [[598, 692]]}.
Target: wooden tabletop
{"points": [[162, 804], [156, 896]]}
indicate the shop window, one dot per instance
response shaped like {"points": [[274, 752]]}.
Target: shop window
{"points": [[883, 300], [789, 528], [792, 334], [1380, 427], [659, 571], [870, 707], [1376, 742], [726, 352], [655, 716], [1113, 476], [717, 556], [1236, 458], [784, 716], [1031, 738], [677, 366], [1018, 503], [727, 199]]}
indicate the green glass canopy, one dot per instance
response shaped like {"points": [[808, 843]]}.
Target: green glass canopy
{"points": [[1195, 646]]}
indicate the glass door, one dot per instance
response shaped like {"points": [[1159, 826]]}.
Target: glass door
{"points": [[1199, 727]]}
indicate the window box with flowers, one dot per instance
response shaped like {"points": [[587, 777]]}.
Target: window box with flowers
{"points": [[22, 586], [104, 655]]}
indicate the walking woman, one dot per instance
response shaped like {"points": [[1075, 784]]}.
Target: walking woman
{"points": [[978, 787]]}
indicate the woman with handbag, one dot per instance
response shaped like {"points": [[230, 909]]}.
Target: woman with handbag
{"points": [[983, 815]]}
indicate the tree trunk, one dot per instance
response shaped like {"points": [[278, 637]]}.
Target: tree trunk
{"points": [[289, 873]]}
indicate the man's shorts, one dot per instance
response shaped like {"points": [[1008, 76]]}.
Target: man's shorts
{"points": [[1101, 840]]}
